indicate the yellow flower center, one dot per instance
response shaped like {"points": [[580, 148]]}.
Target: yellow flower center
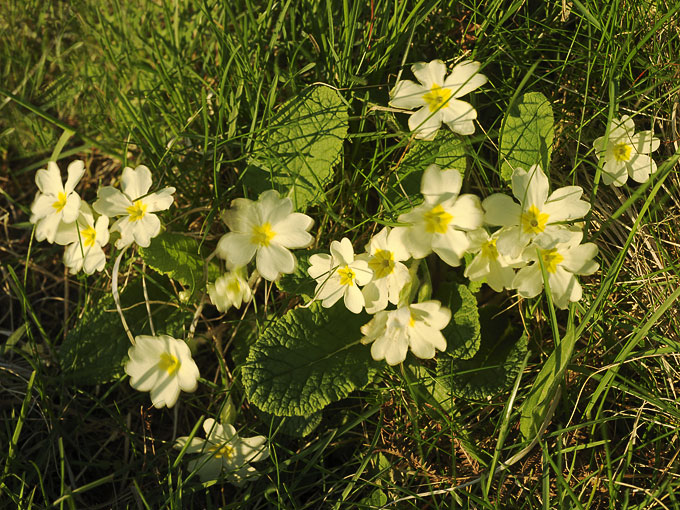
{"points": [[382, 263], [550, 259], [436, 97], [221, 451], [347, 276], [262, 234], [137, 210], [437, 220], [89, 235], [534, 221], [489, 249], [412, 321], [61, 201], [234, 286], [169, 363], [622, 152]]}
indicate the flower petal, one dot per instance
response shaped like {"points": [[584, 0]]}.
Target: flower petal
{"points": [[641, 167], [408, 95], [136, 183], [49, 180], [236, 248], [111, 202], [429, 73], [564, 204], [467, 212], [645, 142], [501, 210], [437, 183], [528, 281], [46, 228], [614, 172], [292, 231], [159, 201], [425, 123], [459, 116], [530, 187], [465, 77], [273, 260], [354, 299], [450, 246], [579, 260], [75, 170]]}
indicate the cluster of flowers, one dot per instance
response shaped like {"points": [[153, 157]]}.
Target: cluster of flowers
{"points": [[160, 364], [436, 98], [529, 237], [532, 233], [61, 216]]}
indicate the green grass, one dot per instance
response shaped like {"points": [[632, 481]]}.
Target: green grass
{"points": [[185, 87]]}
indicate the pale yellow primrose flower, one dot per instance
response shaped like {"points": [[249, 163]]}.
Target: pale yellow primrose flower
{"points": [[489, 265], [537, 215], [440, 222], [339, 275], [84, 240], [267, 229], [417, 326], [437, 97], [135, 205], [626, 153], [562, 261], [385, 252], [223, 452], [162, 365], [55, 202], [230, 289]]}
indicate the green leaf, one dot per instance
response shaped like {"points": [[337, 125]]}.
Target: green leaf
{"points": [[179, 257], [463, 331], [299, 282], [307, 359], [377, 499], [527, 134], [95, 349], [495, 365], [293, 426], [543, 390], [447, 151], [300, 146]]}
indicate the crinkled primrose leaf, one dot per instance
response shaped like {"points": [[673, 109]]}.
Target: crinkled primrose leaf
{"points": [[527, 134], [307, 359], [299, 146], [463, 332], [179, 257], [494, 367]]}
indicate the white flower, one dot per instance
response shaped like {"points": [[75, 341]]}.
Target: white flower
{"points": [[562, 261], [440, 222], [223, 452], [230, 289], [55, 202], [137, 223], [385, 253], [162, 365], [537, 215], [417, 326], [489, 265], [437, 97], [268, 228], [626, 153], [339, 275], [84, 239]]}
